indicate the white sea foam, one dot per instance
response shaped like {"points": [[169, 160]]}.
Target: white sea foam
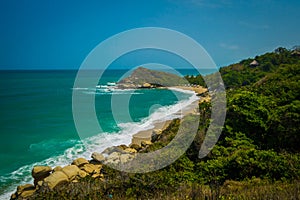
{"points": [[99, 142], [107, 90]]}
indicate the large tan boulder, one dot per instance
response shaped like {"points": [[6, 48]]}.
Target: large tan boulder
{"points": [[55, 179], [91, 168], [82, 174], [57, 168], [27, 193], [40, 172], [23, 188], [71, 171], [98, 157], [80, 162]]}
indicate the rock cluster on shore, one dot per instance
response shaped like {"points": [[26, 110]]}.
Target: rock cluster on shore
{"points": [[45, 176]]}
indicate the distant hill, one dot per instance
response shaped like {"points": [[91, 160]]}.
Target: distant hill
{"points": [[143, 77]]}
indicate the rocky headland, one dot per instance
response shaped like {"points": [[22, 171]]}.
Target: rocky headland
{"points": [[147, 78]]}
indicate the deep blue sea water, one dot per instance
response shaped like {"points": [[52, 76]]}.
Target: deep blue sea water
{"points": [[37, 127]]}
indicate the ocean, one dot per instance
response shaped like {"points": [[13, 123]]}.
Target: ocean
{"points": [[37, 127]]}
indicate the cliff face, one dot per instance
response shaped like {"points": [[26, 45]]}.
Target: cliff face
{"points": [[142, 77]]}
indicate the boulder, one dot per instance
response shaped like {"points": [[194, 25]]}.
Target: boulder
{"points": [[40, 172], [71, 171], [82, 174], [98, 157], [55, 179], [57, 168], [135, 146], [80, 162], [27, 193], [22, 188], [91, 168]]}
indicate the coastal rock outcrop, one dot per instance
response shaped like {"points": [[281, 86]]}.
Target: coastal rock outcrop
{"points": [[25, 191], [40, 172], [45, 176], [55, 179], [116, 154], [71, 171], [98, 157], [57, 168], [116, 158], [80, 162], [91, 168]]}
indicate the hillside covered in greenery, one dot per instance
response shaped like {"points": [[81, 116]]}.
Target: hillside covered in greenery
{"points": [[256, 157], [141, 76]]}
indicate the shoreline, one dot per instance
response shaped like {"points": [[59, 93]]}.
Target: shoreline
{"points": [[146, 135], [197, 89]]}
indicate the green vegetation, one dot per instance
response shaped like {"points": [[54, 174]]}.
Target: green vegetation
{"points": [[143, 75], [256, 157]]}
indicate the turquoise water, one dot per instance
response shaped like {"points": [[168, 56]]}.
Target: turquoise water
{"points": [[36, 121]]}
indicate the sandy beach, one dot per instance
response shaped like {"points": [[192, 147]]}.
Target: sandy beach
{"points": [[146, 135], [160, 126], [197, 89]]}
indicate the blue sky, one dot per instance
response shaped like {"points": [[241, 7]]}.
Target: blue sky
{"points": [[56, 34]]}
